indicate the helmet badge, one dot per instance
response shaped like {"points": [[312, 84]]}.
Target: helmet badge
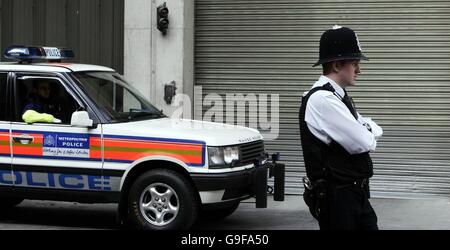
{"points": [[359, 45]]}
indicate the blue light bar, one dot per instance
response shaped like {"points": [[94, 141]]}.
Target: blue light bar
{"points": [[28, 54]]}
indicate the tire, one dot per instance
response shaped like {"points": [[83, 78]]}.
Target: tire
{"points": [[165, 193], [219, 214], [9, 202]]}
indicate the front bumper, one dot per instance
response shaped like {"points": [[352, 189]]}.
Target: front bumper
{"points": [[241, 185]]}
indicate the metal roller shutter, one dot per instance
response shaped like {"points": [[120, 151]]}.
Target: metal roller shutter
{"points": [[261, 46], [93, 29]]}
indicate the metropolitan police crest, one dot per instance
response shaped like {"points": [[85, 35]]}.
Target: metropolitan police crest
{"points": [[49, 141]]}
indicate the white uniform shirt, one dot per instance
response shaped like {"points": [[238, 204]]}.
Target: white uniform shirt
{"points": [[329, 119]]}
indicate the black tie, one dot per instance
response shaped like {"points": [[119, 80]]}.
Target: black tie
{"points": [[349, 103]]}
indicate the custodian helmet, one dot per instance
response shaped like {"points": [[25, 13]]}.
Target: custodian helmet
{"points": [[339, 43]]}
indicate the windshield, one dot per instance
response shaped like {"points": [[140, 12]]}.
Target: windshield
{"points": [[116, 98]]}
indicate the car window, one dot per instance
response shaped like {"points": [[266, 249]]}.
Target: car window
{"points": [[43, 95], [3, 80], [116, 98]]}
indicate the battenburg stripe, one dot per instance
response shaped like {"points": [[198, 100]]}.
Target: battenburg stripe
{"points": [[32, 148], [124, 149], [95, 147], [5, 148], [131, 149]]}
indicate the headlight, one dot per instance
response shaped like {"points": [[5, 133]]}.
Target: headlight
{"points": [[215, 156], [230, 154], [222, 157]]}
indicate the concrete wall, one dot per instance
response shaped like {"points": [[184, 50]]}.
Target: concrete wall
{"points": [[151, 59], [138, 45]]}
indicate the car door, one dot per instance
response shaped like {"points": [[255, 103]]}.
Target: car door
{"points": [[6, 178], [53, 156]]}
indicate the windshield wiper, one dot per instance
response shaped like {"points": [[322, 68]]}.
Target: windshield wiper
{"points": [[141, 113]]}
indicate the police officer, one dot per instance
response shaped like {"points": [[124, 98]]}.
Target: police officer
{"points": [[336, 139], [42, 106]]}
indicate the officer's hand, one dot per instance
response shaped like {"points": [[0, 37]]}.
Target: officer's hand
{"points": [[56, 120], [376, 130]]}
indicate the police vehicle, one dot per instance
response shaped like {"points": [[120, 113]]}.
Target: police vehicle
{"points": [[108, 144]]}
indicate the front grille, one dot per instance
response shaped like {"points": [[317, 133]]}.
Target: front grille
{"points": [[250, 151]]}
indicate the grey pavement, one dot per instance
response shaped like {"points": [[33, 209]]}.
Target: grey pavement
{"points": [[292, 214]]}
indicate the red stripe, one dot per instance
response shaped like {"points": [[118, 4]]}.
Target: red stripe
{"points": [[95, 141], [95, 154], [27, 150], [5, 149]]}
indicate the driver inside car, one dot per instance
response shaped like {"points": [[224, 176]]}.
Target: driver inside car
{"points": [[41, 106]]}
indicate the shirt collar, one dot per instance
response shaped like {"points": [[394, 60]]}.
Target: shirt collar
{"points": [[324, 80]]}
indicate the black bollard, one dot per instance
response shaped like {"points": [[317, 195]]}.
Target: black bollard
{"points": [[261, 186], [278, 172]]}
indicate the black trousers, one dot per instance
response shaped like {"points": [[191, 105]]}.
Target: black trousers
{"points": [[348, 208]]}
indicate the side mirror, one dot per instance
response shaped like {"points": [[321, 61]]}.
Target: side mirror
{"points": [[81, 119]]}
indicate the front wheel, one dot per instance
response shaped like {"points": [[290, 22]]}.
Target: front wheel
{"points": [[162, 200]]}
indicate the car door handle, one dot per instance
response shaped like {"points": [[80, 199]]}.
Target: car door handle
{"points": [[24, 139]]}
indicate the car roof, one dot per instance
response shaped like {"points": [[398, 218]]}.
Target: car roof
{"points": [[52, 67]]}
